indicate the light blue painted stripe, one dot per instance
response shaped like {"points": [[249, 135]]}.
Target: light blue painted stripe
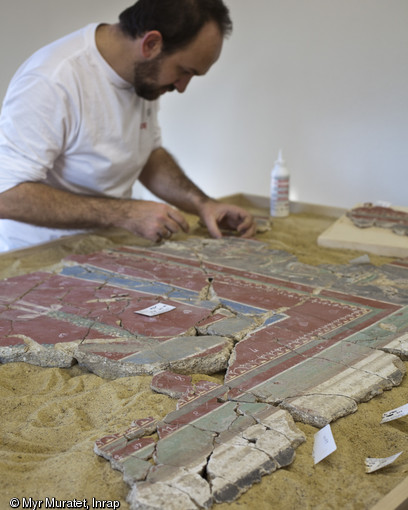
{"points": [[156, 288]]}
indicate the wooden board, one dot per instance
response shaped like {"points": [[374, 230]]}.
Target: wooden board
{"points": [[343, 234], [397, 499]]}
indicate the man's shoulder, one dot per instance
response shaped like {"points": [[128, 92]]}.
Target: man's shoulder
{"points": [[62, 53]]}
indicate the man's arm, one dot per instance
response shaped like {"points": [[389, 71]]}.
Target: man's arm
{"points": [[40, 204], [163, 177]]}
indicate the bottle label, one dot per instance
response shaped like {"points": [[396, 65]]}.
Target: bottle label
{"points": [[279, 196]]}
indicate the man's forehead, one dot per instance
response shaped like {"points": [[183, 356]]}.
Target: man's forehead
{"points": [[202, 52]]}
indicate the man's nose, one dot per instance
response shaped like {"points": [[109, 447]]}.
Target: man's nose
{"points": [[182, 83]]}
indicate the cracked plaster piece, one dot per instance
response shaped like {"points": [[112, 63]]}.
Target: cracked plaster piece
{"points": [[213, 458], [171, 384], [314, 341], [187, 481], [37, 354], [57, 320], [159, 495], [398, 346], [369, 215], [109, 284], [185, 354], [233, 469]]}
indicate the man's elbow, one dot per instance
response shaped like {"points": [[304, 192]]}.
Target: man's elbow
{"points": [[10, 201], [4, 207]]}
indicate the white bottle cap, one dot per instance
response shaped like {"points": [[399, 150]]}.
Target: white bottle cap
{"points": [[280, 160]]}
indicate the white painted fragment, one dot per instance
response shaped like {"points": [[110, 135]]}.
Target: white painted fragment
{"points": [[278, 447], [319, 410], [382, 203], [157, 496], [364, 259], [388, 367], [195, 486], [282, 422], [339, 395], [398, 346], [374, 464], [254, 432], [233, 469], [189, 482], [324, 444]]}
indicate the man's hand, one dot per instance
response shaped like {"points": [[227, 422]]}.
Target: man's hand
{"points": [[218, 216], [163, 177], [152, 220]]}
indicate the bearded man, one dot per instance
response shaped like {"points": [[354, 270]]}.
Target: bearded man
{"points": [[79, 126]]}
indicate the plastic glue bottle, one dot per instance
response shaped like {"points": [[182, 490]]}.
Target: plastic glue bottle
{"points": [[279, 188]]}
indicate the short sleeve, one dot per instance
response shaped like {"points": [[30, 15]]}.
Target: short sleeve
{"points": [[33, 126]]}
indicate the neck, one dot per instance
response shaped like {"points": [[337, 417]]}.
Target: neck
{"points": [[117, 49]]}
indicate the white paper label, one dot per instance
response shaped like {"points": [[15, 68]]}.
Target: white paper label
{"points": [[399, 412], [157, 309], [324, 444], [373, 464]]}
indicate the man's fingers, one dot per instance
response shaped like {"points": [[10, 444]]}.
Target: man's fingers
{"points": [[171, 223], [180, 221], [212, 227], [247, 227]]}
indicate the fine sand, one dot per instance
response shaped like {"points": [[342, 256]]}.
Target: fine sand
{"points": [[50, 417]]}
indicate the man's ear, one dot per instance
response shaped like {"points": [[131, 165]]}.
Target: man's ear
{"points": [[152, 43]]}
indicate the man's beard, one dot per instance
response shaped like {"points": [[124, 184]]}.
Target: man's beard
{"points": [[145, 79]]}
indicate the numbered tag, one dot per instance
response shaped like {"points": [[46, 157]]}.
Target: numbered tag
{"points": [[324, 444], [157, 309], [399, 412], [373, 464]]}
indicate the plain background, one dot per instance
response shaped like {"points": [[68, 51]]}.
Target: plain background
{"points": [[324, 80]]}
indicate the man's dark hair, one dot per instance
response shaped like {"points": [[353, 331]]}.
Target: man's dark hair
{"points": [[178, 21]]}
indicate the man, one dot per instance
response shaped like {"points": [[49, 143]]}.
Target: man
{"points": [[79, 127]]}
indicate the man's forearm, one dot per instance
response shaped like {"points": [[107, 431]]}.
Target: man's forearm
{"points": [[164, 177], [42, 205]]}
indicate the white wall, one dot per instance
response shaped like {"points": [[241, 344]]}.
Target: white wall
{"points": [[26, 25], [325, 80]]}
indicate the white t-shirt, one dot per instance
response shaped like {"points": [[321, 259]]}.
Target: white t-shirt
{"points": [[70, 121]]}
